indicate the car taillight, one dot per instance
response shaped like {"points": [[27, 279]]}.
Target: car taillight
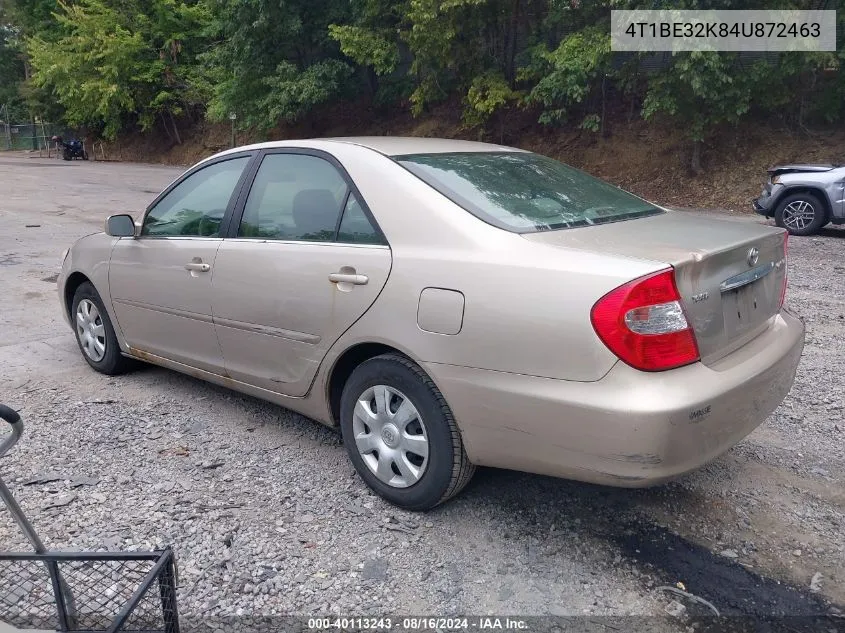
{"points": [[785, 267], [644, 324]]}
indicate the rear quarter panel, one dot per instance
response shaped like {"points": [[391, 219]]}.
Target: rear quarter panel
{"points": [[527, 305]]}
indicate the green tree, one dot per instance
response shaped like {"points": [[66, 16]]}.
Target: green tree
{"points": [[112, 64], [109, 64], [12, 73], [273, 59], [567, 75], [373, 38], [488, 94], [454, 47], [369, 47], [702, 90], [24, 18]]}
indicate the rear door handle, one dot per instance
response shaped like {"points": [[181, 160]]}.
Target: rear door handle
{"points": [[197, 266], [348, 278]]}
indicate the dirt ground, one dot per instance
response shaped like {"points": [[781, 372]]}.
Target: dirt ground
{"points": [[747, 533]]}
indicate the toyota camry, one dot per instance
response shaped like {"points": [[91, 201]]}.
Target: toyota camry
{"points": [[448, 304]]}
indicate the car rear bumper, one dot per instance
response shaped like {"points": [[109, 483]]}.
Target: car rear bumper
{"points": [[631, 428]]}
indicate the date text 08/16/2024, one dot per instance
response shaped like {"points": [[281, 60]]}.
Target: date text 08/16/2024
{"points": [[417, 624]]}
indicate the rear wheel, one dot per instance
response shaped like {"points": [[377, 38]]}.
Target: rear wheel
{"points": [[95, 334], [801, 214], [401, 435]]}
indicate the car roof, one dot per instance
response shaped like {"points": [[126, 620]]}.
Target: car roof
{"points": [[387, 145], [399, 145]]}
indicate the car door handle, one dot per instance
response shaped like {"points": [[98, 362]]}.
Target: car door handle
{"points": [[197, 266], [348, 278]]}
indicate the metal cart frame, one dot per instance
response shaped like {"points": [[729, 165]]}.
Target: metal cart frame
{"points": [[85, 592]]}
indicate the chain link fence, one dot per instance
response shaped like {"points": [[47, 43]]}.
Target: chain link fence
{"points": [[35, 137], [29, 136]]}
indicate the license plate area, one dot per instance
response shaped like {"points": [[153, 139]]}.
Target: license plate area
{"points": [[744, 308]]}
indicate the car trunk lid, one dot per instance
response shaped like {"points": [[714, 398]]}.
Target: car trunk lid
{"points": [[729, 273]]}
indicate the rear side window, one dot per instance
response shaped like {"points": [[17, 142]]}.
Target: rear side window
{"points": [[355, 227], [524, 192]]}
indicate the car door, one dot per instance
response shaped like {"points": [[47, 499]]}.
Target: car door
{"points": [[160, 280], [304, 260]]}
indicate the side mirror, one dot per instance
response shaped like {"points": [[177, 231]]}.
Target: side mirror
{"points": [[120, 226]]}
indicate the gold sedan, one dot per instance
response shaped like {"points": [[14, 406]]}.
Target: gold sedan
{"points": [[448, 304]]}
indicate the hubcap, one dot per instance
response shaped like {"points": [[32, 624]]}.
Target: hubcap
{"points": [[390, 436], [798, 215], [90, 330]]}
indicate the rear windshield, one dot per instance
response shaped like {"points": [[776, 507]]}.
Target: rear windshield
{"points": [[524, 192]]}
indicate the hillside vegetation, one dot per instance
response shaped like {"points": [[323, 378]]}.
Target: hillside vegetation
{"points": [[650, 160], [534, 73]]}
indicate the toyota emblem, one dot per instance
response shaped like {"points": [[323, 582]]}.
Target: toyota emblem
{"points": [[753, 256]]}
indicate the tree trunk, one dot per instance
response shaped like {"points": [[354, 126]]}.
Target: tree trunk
{"points": [[802, 108], [27, 72], [695, 163], [510, 70], [372, 81], [175, 129], [164, 125], [631, 87], [603, 104]]}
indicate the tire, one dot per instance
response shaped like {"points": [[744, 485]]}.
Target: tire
{"points": [[446, 469], [67, 155], [111, 362], [801, 214]]}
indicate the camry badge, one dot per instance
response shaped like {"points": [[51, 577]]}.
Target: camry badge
{"points": [[753, 257]]}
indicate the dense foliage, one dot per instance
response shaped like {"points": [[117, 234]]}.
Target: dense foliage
{"points": [[109, 65]]}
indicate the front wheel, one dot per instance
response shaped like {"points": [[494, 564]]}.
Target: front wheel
{"points": [[95, 333], [400, 434], [801, 214], [67, 155]]}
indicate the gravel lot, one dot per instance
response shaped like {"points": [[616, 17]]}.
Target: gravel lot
{"points": [[267, 516]]}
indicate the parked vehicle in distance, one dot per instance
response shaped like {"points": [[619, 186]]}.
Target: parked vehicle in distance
{"points": [[71, 149], [803, 198], [448, 304]]}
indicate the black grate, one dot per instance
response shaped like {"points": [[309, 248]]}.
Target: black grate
{"points": [[133, 591]]}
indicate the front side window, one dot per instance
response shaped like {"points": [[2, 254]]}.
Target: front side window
{"points": [[196, 206], [294, 197], [524, 192]]}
